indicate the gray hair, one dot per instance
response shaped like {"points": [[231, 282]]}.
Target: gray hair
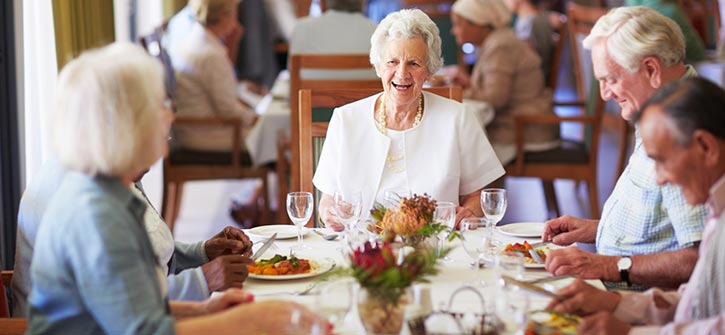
{"points": [[634, 33], [108, 110], [407, 23], [209, 12], [353, 6]]}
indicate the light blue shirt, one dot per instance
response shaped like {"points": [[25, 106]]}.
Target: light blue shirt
{"points": [[186, 280], [94, 270]]}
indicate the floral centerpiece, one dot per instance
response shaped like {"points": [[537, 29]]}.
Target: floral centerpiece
{"points": [[413, 220], [385, 276]]}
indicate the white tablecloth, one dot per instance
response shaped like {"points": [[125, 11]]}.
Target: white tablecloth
{"points": [[452, 276]]}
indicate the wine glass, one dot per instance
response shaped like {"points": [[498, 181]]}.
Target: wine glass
{"points": [[476, 241], [299, 209], [493, 203], [334, 301], [393, 196], [348, 206], [445, 214], [515, 303]]}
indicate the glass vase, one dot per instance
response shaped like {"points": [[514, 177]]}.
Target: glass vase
{"points": [[382, 315]]}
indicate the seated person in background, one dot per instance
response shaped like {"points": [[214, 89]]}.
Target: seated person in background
{"points": [[534, 26], [683, 130], [94, 269], [648, 234], [507, 75], [194, 270], [405, 138], [321, 35], [694, 46], [205, 82]]}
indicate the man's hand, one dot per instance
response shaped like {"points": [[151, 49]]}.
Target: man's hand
{"points": [[583, 264], [584, 299], [603, 323], [226, 271], [226, 299], [229, 241], [567, 229]]}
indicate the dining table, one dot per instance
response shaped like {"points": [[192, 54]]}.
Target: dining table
{"points": [[453, 275]]}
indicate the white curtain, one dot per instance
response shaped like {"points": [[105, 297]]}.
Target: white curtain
{"points": [[39, 74]]}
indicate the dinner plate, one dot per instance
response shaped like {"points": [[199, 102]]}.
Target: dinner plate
{"points": [[283, 231], [318, 267], [523, 229]]}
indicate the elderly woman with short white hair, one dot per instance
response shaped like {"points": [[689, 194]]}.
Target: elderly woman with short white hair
{"points": [[94, 270], [507, 75], [405, 138]]}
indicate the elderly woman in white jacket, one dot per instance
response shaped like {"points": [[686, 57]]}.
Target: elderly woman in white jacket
{"points": [[404, 138]]}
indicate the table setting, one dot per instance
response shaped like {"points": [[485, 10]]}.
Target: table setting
{"points": [[432, 295]]}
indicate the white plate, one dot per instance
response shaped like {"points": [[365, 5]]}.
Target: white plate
{"points": [[283, 231], [523, 229], [318, 267]]}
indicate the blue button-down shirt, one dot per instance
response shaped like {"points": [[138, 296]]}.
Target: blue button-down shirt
{"points": [[94, 270]]}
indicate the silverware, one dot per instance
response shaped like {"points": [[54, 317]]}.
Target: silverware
{"points": [[536, 257], [540, 244], [549, 279], [264, 247], [305, 291], [328, 237], [531, 287]]}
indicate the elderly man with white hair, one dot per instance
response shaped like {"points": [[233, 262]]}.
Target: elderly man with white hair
{"points": [[683, 130], [507, 75], [648, 234]]}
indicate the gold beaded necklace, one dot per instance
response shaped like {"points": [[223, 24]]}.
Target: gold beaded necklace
{"points": [[382, 124]]}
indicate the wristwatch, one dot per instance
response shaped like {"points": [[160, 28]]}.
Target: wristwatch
{"points": [[623, 265]]}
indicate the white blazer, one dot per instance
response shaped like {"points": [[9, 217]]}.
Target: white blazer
{"points": [[447, 154]]}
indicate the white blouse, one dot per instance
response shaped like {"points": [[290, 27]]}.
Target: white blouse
{"points": [[445, 156]]}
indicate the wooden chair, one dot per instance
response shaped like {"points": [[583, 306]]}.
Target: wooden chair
{"points": [[705, 17], [8, 325], [315, 111], [320, 62], [575, 160], [182, 165]]}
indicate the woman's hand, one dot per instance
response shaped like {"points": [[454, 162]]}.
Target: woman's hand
{"points": [[457, 76], [462, 213], [470, 206], [327, 214]]}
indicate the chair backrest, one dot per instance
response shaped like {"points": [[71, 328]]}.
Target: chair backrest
{"points": [[705, 17], [153, 43], [315, 111], [559, 39], [320, 62]]}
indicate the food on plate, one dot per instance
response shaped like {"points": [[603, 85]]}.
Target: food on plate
{"points": [[524, 249], [555, 324], [281, 265]]}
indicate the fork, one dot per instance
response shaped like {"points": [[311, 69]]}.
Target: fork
{"points": [[305, 291], [273, 246]]}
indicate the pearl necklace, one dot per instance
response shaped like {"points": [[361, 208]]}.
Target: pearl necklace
{"points": [[382, 124]]}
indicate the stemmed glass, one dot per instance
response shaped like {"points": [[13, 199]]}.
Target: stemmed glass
{"points": [[334, 301], [515, 303], [393, 196], [493, 203], [477, 242], [445, 213], [299, 209], [348, 206]]}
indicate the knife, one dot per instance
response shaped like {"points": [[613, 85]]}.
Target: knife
{"points": [[540, 244], [531, 287], [264, 247], [549, 279]]}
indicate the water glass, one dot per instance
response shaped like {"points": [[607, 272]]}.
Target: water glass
{"points": [[445, 214], [493, 203], [348, 206], [299, 209], [476, 241], [334, 301], [393, 196], [514, 306]]}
